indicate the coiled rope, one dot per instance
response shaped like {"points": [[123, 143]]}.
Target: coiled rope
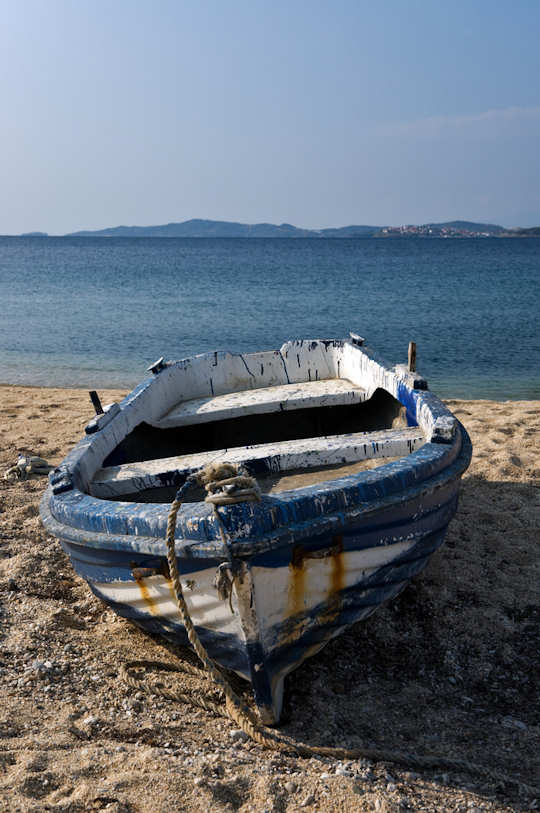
{"points": [[225, 485]]}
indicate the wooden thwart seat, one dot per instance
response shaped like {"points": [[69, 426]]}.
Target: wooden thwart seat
{"points": [[307, 453], [329, 392]]}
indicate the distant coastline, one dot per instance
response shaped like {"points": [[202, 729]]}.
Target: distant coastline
{"points": [[456, 229]]}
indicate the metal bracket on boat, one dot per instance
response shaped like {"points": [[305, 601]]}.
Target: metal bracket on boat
{"points": [[103, 419], [144, 571], [356, 339], [157, 366], [413, 380], [223, 582], [444, 429], [418, 382], [61, 480]]}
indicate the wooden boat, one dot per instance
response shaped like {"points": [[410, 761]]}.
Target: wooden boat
{"points": [[359, 465]]}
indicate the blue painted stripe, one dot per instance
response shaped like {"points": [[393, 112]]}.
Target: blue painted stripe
{"points": [[105, 566]]}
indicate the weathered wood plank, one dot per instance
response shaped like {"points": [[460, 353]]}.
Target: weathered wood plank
{"points": [[271, 457], [329, 392]]}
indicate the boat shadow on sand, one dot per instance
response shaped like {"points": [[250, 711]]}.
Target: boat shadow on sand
{"points": [[448, 666]]}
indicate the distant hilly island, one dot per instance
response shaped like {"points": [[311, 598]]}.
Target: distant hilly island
{"points": [[221, 228]]}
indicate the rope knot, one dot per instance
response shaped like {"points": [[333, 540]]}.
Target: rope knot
{"points": [[226, 484]]}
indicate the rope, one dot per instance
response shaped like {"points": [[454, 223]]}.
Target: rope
{"points": [[26, 466], [225, 486], [193, 698]]}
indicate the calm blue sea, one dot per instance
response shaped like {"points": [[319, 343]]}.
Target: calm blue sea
{"points": [[94, 312]]}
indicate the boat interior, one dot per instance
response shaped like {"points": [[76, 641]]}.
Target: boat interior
{"points": [[288, 436]]}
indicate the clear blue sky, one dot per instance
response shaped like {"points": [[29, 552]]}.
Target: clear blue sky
{"points": [[314, 113]]}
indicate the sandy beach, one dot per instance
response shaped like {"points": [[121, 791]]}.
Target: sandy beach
{"points": [[447, 668]]}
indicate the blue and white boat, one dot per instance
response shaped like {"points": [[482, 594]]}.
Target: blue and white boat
{"points": [[359, 467]]}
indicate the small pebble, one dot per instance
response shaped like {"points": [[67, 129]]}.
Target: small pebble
{"points": [[290, 787], [237, 735], [90, 720], [309, 800]]}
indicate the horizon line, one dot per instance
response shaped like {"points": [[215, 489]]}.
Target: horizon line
{"points": [[77, 232]]}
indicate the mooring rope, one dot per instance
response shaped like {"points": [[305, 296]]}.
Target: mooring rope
{"points": [[225, 485]]}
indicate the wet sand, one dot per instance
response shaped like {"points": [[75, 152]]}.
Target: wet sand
{"points": [[448, 667]]}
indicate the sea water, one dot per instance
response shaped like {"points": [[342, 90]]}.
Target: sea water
{"points": [[94, 312]]}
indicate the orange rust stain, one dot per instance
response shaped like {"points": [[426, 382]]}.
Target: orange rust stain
{"points": [[337, 579], [337, 575], [297, 583], [145, 593], [171, 590]]}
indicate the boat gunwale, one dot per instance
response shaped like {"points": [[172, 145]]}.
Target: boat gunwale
{"points": [[281, 536]]}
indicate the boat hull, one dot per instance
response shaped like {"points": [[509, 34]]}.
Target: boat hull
{"points": [[267, 583]]}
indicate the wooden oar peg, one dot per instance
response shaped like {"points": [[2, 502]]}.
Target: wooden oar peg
{"points": [[94, 397], [412, 357]]}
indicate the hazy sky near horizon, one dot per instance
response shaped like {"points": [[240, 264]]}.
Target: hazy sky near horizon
{"points": [[313, 113]]}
